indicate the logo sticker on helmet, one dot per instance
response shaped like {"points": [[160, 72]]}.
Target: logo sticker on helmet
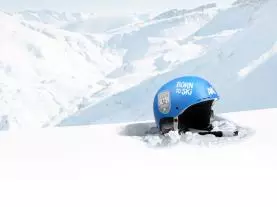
{"points": [[211, 91], [164, 102], [184, 88]]}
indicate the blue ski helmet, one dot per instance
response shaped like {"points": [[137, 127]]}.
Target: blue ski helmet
{"points": [[184, 102]]}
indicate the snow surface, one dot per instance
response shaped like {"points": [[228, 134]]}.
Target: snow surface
{"points": [[58, 70], [97, 166]]}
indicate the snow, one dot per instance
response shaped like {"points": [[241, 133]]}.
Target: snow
{"points": [[101, 24], [76, 92], [96, 166], [55, 75], [46, 16], [49, 71], [49, 74], [220, 51]]}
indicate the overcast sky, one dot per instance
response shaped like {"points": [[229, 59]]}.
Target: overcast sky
{"points": [[104, 5]]}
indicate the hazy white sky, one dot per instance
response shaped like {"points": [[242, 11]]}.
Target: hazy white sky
{"points": [[104, 5]]}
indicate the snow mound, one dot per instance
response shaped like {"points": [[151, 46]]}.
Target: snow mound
{"points": [[148, 133]]}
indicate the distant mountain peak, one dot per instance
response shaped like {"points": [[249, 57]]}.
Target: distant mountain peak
{"points": [[47, 16], [249, 2], [179, 12]]}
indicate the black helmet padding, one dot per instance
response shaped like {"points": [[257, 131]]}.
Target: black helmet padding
{"points": [[197, 116]]}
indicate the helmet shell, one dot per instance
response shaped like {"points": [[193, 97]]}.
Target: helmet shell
{"points": [[174, 97]]}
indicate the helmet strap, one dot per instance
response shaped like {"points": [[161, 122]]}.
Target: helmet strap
{"points": [[175, 123]]}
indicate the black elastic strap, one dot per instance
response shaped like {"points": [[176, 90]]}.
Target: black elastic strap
{"points": [[208, 130], [219, 133]]}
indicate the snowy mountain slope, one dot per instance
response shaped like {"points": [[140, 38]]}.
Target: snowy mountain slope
{"points": [[132, 34], [157, 46], [166, 23], [46, 73], [246, 61], [150, 47], [144, 54], [95, 166], [81, 21], [180, 12], [58, 19], [135, 39], [236, 58], [103, 23], [172, 20]]}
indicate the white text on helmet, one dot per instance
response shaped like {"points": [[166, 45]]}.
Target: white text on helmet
{"points": [[211, 91], [184, 88]]}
